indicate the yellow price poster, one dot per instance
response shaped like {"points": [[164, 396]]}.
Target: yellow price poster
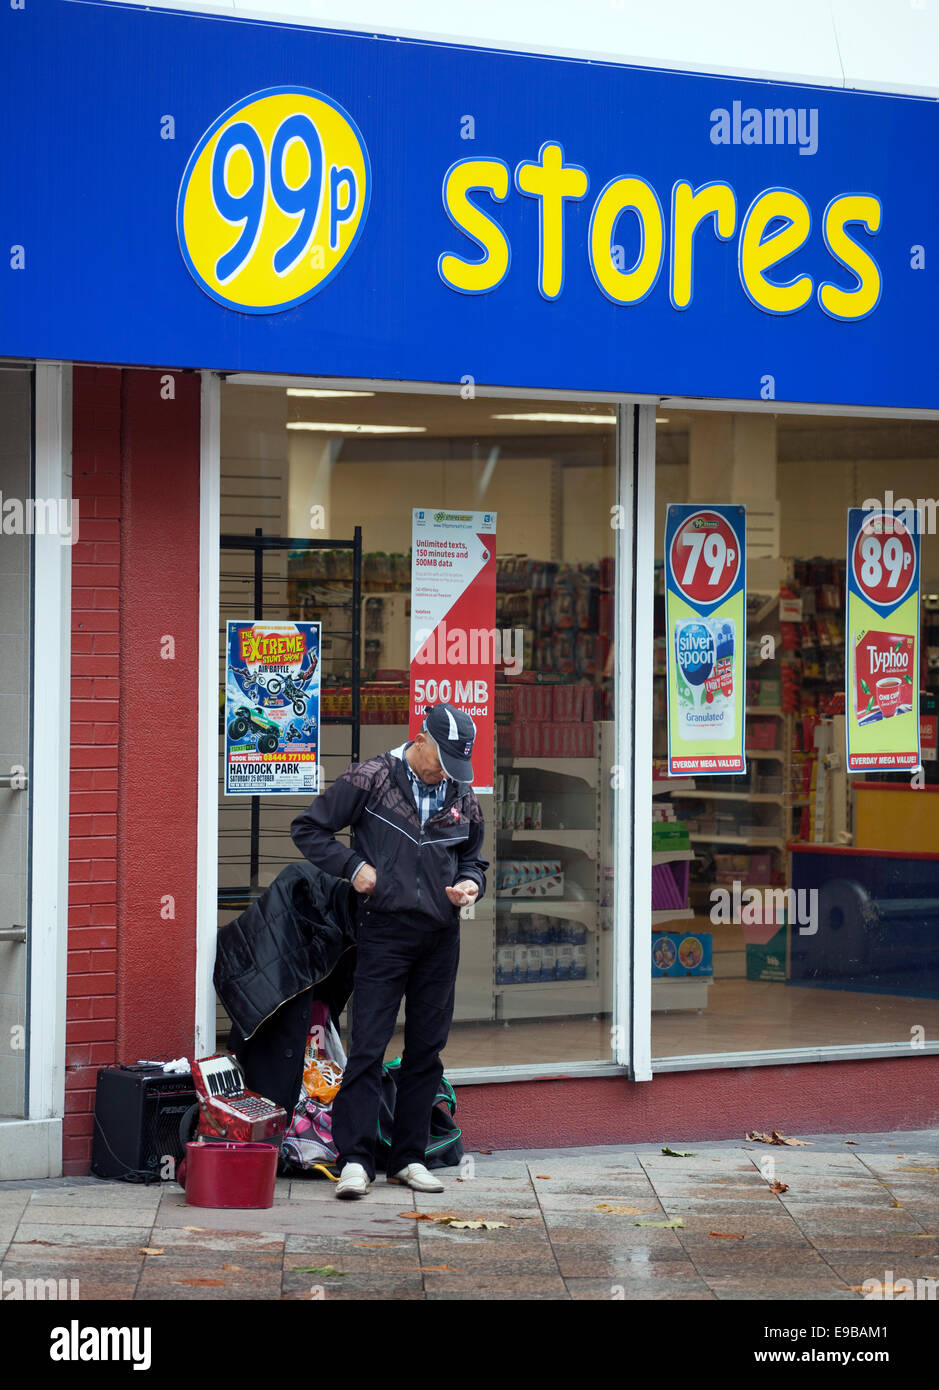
{"points": [[705, 608]]}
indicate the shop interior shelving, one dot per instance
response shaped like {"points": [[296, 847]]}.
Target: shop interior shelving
{"points": [[570, 790], [692, 991]]}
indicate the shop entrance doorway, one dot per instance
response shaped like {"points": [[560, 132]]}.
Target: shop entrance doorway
{"points": [[536, 983]]}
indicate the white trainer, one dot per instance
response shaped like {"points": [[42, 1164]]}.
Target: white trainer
{"points": [[416, 1175], [353, 1181]]}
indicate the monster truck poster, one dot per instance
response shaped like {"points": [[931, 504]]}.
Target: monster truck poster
{"points": [[272, 708]]}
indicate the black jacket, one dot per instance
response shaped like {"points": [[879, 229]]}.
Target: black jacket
{"points": [[413, 864], [294, 944]]}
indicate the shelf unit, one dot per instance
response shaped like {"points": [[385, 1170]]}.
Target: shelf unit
{"points": [[569, 788], [667, 993], [778, 833]]}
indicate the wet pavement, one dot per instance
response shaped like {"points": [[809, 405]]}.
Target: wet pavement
{"points": [[600, 1223]]}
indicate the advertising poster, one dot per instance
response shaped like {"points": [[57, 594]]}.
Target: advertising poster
{"points": [[705, 607], [272, 708], [882, 640], [453, 623]]}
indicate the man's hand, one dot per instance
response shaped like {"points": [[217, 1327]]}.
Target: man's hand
{"points": [[463, 893], [365, 880]]}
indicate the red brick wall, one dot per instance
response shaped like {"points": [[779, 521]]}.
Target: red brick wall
{"points": [[92, 914], [132, 831], [678, 1107], [159, 716]]}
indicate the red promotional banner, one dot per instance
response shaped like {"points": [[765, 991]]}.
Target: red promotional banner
{"points": [[454, 640]]}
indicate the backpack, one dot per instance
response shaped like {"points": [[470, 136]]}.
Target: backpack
{"points": [[444, 1147]]}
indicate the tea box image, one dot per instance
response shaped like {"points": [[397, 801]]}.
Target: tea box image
{"points": [[883, 676], [704, 675], [678, 954]]}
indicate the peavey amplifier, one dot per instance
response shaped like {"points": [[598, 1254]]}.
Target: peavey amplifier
{"points": [[137, 1115]]}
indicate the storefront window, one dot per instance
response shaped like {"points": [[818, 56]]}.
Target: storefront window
{"points": [[813, 894], [535, 979]]}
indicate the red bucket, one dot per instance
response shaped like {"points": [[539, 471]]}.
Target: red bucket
{"points": [[230, 1175]]}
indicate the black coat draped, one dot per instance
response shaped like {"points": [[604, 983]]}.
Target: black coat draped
{"points": [[296, 943]]}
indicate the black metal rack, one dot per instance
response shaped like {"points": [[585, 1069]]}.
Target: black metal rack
{"points": [[258, 545]]}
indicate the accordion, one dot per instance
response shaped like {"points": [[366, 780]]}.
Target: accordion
{"points": [[228, 1110]]}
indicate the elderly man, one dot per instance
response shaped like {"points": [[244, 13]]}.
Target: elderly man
{"points": [[417, 833]]}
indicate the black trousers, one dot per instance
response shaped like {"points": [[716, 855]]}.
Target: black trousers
{"points": [[417, 960]]}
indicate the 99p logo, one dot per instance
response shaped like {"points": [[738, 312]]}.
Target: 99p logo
{"points": [[273, 199]]}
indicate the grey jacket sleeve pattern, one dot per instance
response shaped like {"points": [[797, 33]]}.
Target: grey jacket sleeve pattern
{"points": [[314, 830]]}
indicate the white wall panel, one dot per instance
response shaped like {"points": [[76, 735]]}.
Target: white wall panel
{"points": [[876, 45]]}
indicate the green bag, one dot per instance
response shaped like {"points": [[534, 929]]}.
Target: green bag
{"points": [[444, 1147]]}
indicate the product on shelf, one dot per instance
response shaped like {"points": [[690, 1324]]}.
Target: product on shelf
{"points": [[531, 878], [533, 948], [680, 954]]}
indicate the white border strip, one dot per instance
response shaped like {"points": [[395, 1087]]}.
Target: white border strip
{"points": [[714, 1061], [643, 644], [784, 1057], [50, 747], [683, 403], [621, 792], [207, 823]]}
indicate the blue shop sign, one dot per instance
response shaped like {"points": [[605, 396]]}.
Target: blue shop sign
{"points": [[193, 191]]}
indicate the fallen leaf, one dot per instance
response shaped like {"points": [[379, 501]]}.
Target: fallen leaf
{"points": [[324, 1271], [776, 1138], [478, 1225], [896, 1204], [232, 1266], [671, 1225], [150, 1250], [429, 1215], [886, 1290], [778, 1187], [725, 1235], [543, 1177], [438, 1269], [484, 1151], [677, 1153], [204, 1283], [852, 1141], [622, 1211], [194, 1228]]}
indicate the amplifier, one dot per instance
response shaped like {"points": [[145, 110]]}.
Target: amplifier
{"points": [[137, 1114]]}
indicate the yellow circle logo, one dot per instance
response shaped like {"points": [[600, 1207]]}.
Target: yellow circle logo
{"points": [[273, 199]]}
